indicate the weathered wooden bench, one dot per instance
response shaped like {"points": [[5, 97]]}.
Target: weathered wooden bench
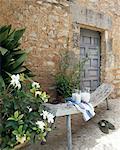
{"points": [[65, 109]]}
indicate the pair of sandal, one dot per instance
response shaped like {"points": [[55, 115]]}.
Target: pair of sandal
{"points": [[104, 126]]}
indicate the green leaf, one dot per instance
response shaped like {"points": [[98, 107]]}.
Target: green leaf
{"points": [[3, 50], [2, 83], [16, 114], [15, 132], [6, 60], [19, 70], [12, 55], [19, 61], [11, 36], [20, 129], [34, 128], [48, 129], [12, 40], [20, 122], [4, 35], [11, 123], [9, 74], [18, 52], [11, 118], [20, 117], [3, 28], [18, 34]]}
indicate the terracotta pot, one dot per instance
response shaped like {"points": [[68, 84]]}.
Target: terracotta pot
{"points": [[19, 146]]}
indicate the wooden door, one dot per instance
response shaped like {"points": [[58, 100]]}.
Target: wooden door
{"points": [[90, 47]]}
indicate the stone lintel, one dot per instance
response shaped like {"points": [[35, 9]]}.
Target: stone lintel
{"points": [[89, 17]]}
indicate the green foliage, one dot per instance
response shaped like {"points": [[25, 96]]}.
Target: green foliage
{"points": [[63, 81], [64, 85], [69, 75], [12, 55], [76, 73], [20, 110], [64, 62]]}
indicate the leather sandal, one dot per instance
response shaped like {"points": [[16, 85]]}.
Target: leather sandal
{"points": [[103, 126], [110, 125]]}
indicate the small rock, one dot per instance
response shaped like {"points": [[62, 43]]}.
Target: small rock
{"points": [[64, 3], [52, 1], [50, 64], [51, 34], [45, 46], [53, 18], [44, 28], [62, 33], [39, 2], [94, 1], [33, 34], [65, 15], [55, 1]]}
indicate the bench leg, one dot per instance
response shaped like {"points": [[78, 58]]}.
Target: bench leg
{"points": [[107, 104], [69, 133]]}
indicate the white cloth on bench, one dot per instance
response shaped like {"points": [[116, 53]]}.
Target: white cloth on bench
{"points": [[85, 108]]}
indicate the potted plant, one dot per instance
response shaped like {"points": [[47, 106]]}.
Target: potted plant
{"points": [[23, 117], [69, 75]]}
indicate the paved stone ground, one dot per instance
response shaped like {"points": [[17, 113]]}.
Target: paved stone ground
{"points": [[86, 135]]}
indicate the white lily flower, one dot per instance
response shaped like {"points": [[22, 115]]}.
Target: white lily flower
{"points": [[21, 139], [50, 118], [45, 100], [41, 125], [18, 85], [29, 108], [15, 81], [37, 93], [35, 85], [44, 114]]}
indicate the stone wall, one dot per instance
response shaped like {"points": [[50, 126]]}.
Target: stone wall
{"points": [[47, 31], [50, 28]]}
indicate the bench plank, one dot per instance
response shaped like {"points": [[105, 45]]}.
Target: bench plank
{"points": [[63, 109], [101, 93]]}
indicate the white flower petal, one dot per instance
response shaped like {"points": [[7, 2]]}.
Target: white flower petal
{"points": [[21, 139], [18, 77], [18, 85], [15, 81], [41, 125], [50, 118], [29, 108], [37, 93], [44, 114], [36, 85]]}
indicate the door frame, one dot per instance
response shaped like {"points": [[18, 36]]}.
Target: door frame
{"points": [[104, 46]]}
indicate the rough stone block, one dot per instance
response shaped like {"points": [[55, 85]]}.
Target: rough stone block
{"points": [[86, 16]]}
